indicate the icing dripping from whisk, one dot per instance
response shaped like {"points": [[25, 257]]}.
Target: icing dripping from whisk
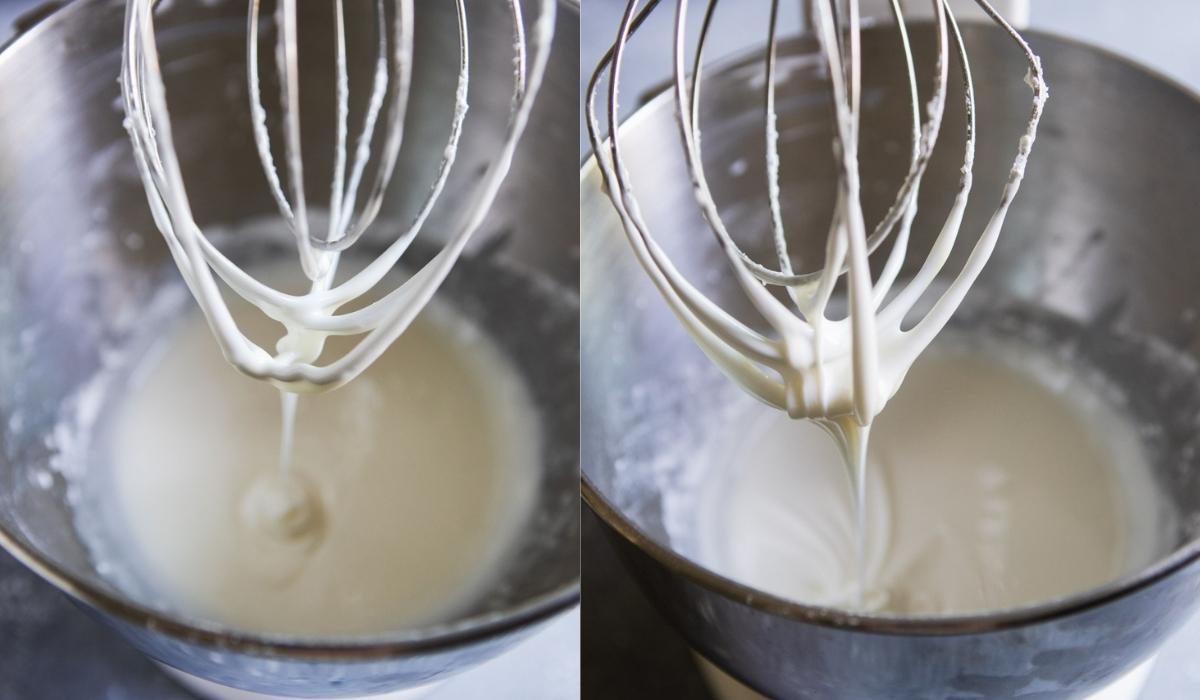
{"points": [[840, 372]]}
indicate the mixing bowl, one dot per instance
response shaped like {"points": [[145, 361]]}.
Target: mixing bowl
{"points": [[1095, 261], [82, 260]]}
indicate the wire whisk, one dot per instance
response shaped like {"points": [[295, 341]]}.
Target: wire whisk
{"points": [[815, 366], [358, 184]]}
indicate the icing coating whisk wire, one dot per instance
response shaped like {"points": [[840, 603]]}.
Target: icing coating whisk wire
{"points": [[356, 187], [815, 366]]}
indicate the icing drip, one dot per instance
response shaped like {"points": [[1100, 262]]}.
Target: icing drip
{"points": [[284, 506]]}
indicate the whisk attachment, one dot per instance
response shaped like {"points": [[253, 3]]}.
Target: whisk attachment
{"points": [[358, 184], [814, 366]]}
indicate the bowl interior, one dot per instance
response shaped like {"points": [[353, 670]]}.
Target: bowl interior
{"points": [[82, 259]]}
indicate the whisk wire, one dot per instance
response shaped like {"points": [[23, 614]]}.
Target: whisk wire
{"points": [[813, 365], [310, 318]]}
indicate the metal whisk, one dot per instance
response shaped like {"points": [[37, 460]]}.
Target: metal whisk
{"points": [[815, 366], [355, 194]]}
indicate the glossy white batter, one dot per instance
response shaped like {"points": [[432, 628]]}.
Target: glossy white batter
{"points": [[406, 489], [996, 478]]}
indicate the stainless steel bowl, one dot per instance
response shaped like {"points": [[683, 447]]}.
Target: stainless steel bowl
{"points": [[1096, 257], [80, 256]]}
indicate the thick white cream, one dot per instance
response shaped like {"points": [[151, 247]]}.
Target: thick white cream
{"points": [[406, 489], [996, 478]]}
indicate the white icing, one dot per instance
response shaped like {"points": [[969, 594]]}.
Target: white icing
{"points": [[386, 517], [1028, 486]]}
